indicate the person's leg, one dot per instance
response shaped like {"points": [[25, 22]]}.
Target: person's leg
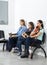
{"points": [[28, 42], [19, 43], [37, 42], [31, 41], [7, 46], [14, 43], [11, 43]]}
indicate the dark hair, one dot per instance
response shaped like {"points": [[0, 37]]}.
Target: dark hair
{"points": [[22, 20], [41, 22], [32, 24]]}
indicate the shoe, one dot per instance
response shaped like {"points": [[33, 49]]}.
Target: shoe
{"points": [[19, 54], [15, 51], [9, 50], [16, 48], [24, 56]]}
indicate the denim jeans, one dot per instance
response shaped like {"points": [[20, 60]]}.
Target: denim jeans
{"points": [[20, 41], [31, 41], [11, 43]]}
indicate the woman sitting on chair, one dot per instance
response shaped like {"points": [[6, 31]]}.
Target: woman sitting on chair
{"points": [[34, 38], [22, 38], [13, 37]]}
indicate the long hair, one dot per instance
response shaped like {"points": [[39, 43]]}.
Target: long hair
{"points": [[22, 20], [41, 22], [32, 24]]}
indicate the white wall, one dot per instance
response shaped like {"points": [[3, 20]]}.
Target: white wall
{"points": [[30, 10], [3, 0], [11, 24]]}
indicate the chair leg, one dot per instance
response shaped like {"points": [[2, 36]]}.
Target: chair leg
{"points": [[3, 46], [43, 51], [33, 53]]}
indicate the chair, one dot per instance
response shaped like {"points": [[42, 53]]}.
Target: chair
{"points": [[2, 38], [40, 46]]}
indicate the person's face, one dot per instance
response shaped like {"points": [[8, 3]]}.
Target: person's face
{"points": [[21, 23], [38, 24], [29, 26]]}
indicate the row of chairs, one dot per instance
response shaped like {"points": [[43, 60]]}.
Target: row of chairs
{"points": [[4, 41]]}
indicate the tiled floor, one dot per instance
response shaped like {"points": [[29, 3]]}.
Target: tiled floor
{"points": [[7, 58]]}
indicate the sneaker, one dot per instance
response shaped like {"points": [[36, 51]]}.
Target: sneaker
{"points": [[19, 54], [15, 51], [24, 56]]}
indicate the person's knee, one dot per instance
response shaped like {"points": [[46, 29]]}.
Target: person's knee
{"points": [[27, 39], [19, 43], [19, 37]]}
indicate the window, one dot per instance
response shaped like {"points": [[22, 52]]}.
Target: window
{"points": [[3, 12]]}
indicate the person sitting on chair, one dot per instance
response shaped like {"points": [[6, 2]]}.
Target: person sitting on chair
{"points": [[13, 37], [35, 38], [22, 38]]}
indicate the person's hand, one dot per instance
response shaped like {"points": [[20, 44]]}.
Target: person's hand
{"points": [[13, 35], [23, 36], [10, 34]]}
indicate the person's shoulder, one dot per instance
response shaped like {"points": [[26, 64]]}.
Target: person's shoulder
{"points": [[24, 26], [42, 30]]}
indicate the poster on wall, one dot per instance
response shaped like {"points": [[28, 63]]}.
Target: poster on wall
{"points": [[3, 12]]}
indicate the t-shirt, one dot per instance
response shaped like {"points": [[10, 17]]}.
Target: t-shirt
{"points": [[28, 31], [41, 35], [21, 30]]}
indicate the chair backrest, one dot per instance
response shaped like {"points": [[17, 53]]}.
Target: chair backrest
{"points": [[44, 38], [2, 34]]}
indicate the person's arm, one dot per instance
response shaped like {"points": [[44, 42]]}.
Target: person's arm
{"points": [[13, 35], [39, 33], [18, 31], [24, 29], [32, 33], [24, 35]]}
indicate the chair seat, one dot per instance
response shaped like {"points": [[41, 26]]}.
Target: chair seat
{"points": [[3, 41]]}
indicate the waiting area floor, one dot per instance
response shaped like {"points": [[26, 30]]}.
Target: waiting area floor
{"points": [[7, 58]]}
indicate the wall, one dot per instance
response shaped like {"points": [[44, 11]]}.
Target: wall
{"points": [[11, 24], [30, 10]]}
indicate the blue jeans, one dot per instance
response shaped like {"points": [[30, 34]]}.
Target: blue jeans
{"points": [[19, 43], [11, 43], [31, 41]]}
